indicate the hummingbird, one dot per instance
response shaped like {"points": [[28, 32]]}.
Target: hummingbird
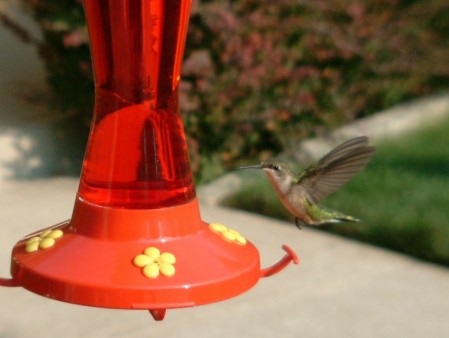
{"points": [[301, 193]]}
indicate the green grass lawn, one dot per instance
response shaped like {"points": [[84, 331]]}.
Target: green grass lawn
{"points": [[402, 197]]}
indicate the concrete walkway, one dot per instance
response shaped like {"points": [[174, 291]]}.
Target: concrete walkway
{"points": [[341, 288]]}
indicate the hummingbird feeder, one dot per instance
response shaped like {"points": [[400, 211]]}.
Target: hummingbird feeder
{"points": [[136, 239]]}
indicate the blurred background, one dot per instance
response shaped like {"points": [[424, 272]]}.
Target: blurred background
{"points": [[259, 77]]}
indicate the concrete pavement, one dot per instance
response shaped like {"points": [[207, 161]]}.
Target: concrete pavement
{"points": [[341, 288]]}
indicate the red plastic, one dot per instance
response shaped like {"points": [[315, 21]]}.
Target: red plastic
{"points": [[136, 189], [9, 282], [137, 155], [92, 263], [290, 256], [158, 314]]}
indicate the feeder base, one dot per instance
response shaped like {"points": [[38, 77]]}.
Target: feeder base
{"points": [[97, 268]]}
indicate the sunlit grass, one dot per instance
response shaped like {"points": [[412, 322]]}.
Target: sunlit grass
{"points": [[402, 197]]}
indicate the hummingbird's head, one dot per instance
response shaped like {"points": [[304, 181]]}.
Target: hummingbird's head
{"points": [[278, 171], [276, 167]]}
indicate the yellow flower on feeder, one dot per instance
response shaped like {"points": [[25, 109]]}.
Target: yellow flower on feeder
{"points": [[43, 241], [229, 235], [154, 263]]}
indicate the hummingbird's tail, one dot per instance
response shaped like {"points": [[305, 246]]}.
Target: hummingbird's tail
{"points": [[321, 214], [346, 218], [337, 219]]}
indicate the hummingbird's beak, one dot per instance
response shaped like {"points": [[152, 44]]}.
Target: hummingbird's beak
{"points": [[257, 166]]}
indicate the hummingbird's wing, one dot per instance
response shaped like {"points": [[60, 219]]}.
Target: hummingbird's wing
{"points": [[334, 169]]}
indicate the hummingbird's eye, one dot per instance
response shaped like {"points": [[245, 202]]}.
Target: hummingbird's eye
{"points": [[276, 167]]}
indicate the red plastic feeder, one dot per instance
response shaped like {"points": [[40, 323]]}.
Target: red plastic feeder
{"points": [[136, 239]]}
